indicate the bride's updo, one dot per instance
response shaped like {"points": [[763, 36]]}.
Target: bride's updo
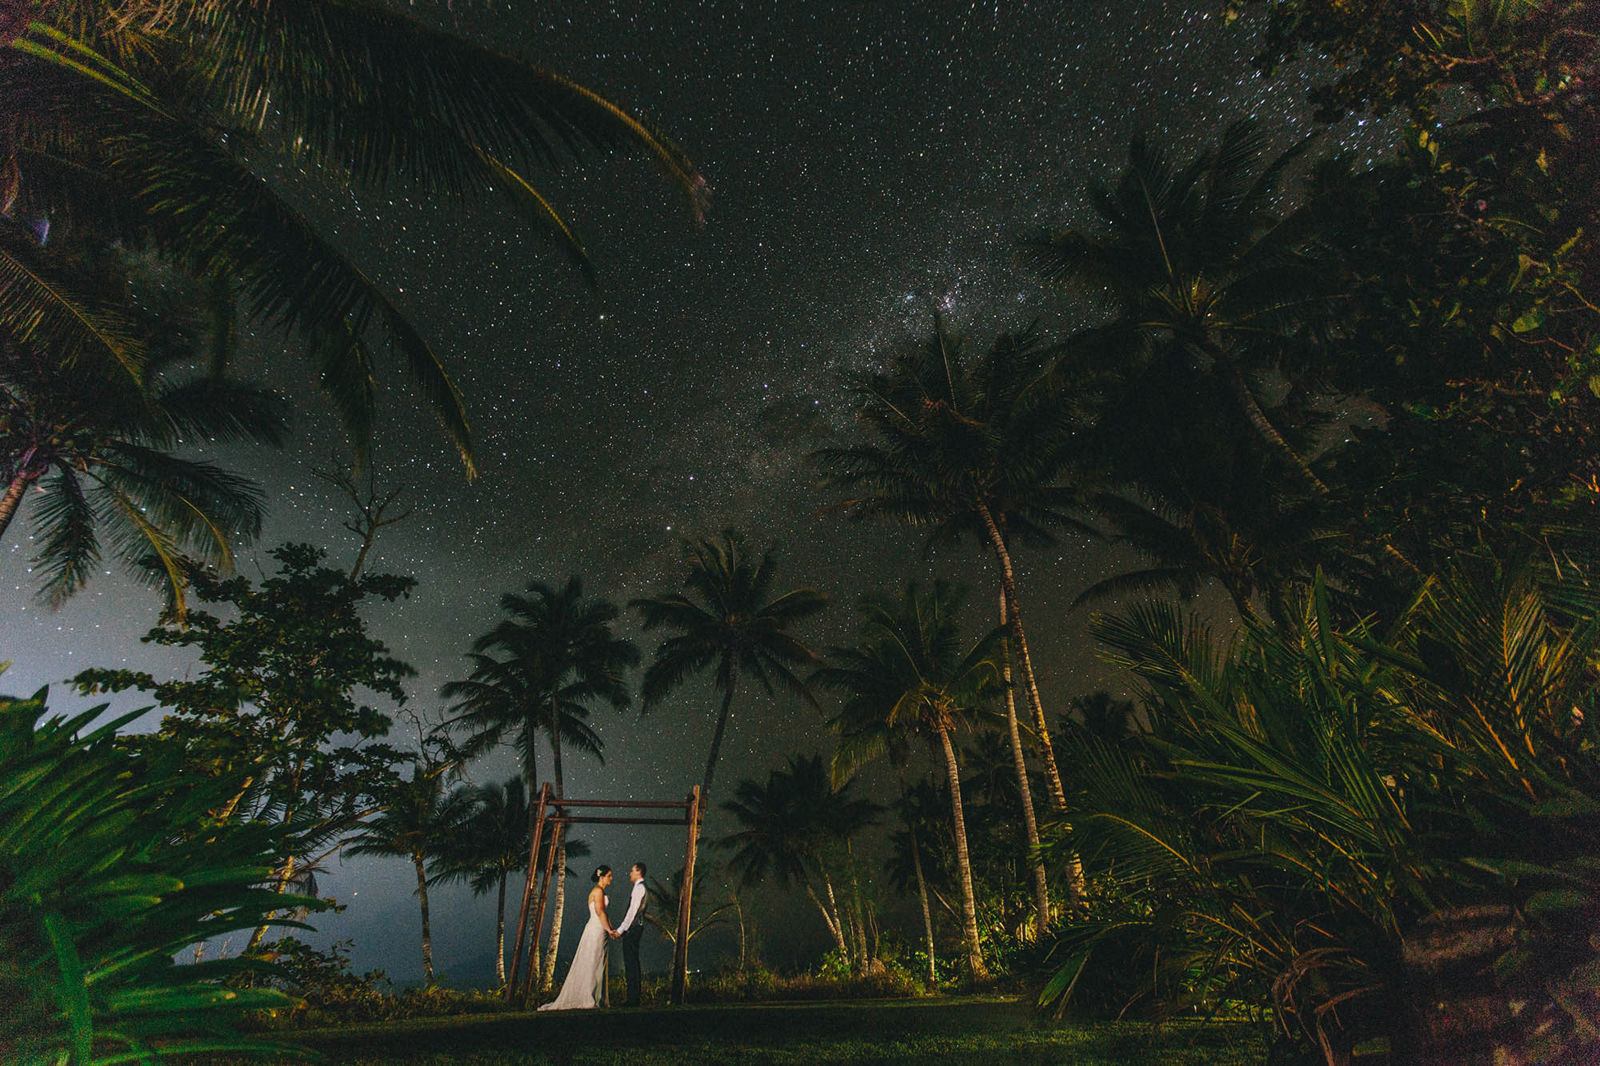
{"points": [[599, 872]]}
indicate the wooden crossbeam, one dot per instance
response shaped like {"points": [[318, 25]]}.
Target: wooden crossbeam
{"points": [[641, 804], [564, 819]]}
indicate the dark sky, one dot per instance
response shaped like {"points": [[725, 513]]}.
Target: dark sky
{"points": [[870, 163]]}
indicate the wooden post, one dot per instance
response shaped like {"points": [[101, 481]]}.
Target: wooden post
{"points": [[538, 911], [527, 892], [680, 949]]}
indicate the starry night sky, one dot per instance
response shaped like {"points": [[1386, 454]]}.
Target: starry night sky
{"points": [[871, 164]]}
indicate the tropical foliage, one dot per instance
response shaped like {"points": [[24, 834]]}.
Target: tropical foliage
{"points": [[113, 863], [415, 816], [487, 846], [164, 126], [93, 434], [1356, 402], [275, 707], [1366, 831], [793, 829], [970, 449]]}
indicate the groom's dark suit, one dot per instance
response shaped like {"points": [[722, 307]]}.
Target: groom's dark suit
{"points": [[630, 940]]}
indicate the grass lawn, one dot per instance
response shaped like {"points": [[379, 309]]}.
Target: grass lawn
{"points": [[967, 1031]]}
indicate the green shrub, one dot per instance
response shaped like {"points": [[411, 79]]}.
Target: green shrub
{"points": [[1389, 839], [111, 868]]}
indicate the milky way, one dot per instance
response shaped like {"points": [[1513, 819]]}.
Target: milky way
{"points": [[872, 164]]}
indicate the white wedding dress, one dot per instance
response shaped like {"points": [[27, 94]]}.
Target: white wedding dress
{"points": [[585, 978]]}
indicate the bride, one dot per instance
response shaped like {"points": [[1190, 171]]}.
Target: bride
{"points": [[587, 974]]}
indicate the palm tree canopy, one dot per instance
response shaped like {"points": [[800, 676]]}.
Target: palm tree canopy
{"points": [[952, 439], [1198, 254], [97, 425], [910, 674], [786, 822], [165, 125], [417, 817], [728, 617], [554, 656], [492, 837]]}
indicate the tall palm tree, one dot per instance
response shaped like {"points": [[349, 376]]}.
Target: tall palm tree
{"points": [[418, 816], [787, 826], [973, 449], [491, 845], [727, 618], [563, 649], [168, 125], [504, 701], [910, 675]]}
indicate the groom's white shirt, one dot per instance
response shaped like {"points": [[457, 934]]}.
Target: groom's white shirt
{"points": [[633, 906]]}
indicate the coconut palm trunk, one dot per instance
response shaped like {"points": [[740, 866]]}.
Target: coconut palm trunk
{"points": [[828, 917], [1250, 407], [530, 777], [560, 872], [738, 910], [927, 912], [500, 934], [13, 499], [280, 884], [427, 931], [969, 903], [1030, 821], [1019, 637]]}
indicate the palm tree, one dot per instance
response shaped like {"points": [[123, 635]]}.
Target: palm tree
{"points": [[1351, 826], [162, 125], [93, 411], [665, 898], [909, 675], [973, 450], [912, 859], [737, 626], [1200, 270], [1200, 499], [417, 817], [491, 845], [558, 648], [786, 827]]}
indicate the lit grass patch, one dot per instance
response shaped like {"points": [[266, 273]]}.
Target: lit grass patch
{"points": [[955, 1031]]}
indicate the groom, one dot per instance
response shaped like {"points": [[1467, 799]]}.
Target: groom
{"points": [[631, 931]]}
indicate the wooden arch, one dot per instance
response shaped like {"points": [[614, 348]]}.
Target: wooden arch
{"points": [[555, 811]]}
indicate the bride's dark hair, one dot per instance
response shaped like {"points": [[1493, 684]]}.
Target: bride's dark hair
{"points": [[599, 872]]}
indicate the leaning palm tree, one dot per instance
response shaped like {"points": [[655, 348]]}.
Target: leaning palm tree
{"points": [[492, 844], [171, 126], [910, 675], [737, 627], [787, 827], [101, 450], [418, 815], [973, 449], [563, 651]]}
